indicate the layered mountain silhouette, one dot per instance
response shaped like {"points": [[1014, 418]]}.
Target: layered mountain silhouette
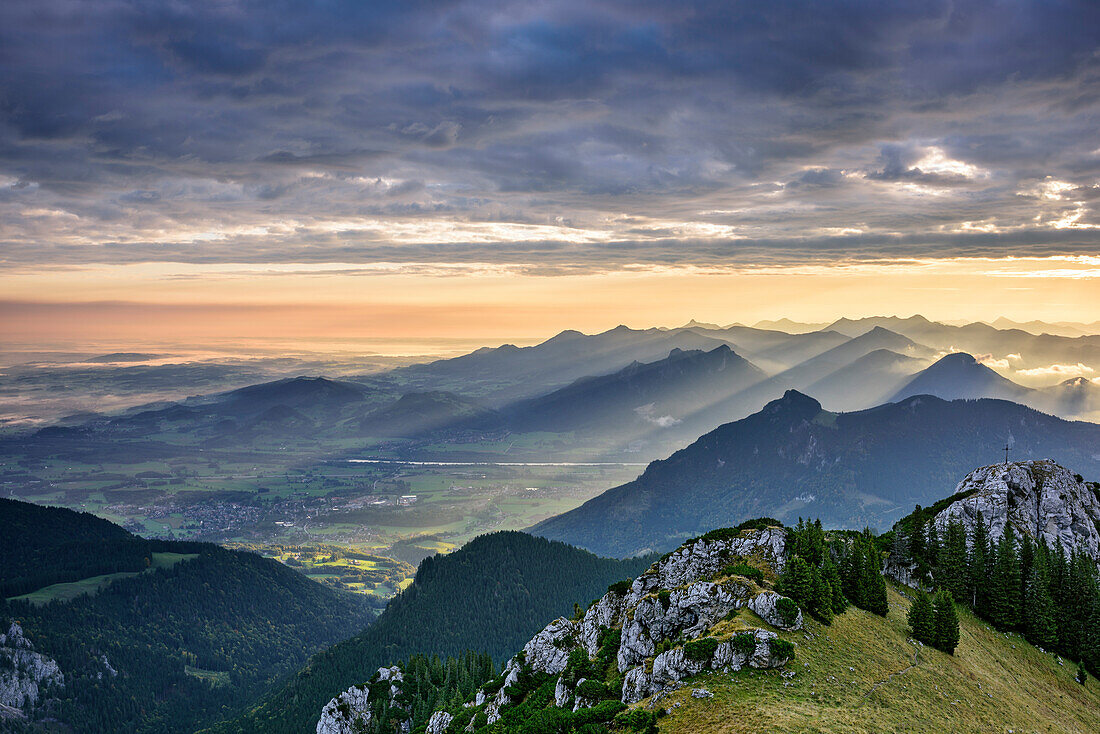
{"points": [[420, 413], [961, 376], [872, 379], [794, 459], [640, 396], [507, 373]]}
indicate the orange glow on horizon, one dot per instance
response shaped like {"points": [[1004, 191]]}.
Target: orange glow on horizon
{"points": [[175, 301]]}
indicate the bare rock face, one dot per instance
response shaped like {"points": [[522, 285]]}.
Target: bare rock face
{"points": [[673, 666], [703, 558], [439, 722], [548, 651], [1039, 499], [681, 597], [345, 713], [351, 710], [24, 674]]}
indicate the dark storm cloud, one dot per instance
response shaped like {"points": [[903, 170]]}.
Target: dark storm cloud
{"points": [[779, 123]]}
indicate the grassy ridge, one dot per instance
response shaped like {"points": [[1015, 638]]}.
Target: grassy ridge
{"points": [[863, 674], [71, 590]]}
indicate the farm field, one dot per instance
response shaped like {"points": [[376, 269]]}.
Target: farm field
{"points": [[274, 499]]}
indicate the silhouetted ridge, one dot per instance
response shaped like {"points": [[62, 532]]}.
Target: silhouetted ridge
{"points": [[793, 404]]}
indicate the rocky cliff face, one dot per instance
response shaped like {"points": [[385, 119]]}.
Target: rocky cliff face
{"points": [[350, 712], [677, 619], [25, 675], [1040, 499]]}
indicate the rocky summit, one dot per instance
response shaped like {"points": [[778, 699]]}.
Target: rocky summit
{"points": [[1038, 499], [689, 612]]}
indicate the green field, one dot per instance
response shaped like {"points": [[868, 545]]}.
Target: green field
{"points": [[343, 567], [72, 589], [863, 674], [213, 677]]}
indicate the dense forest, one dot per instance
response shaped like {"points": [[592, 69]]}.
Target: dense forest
{"points": [[491, 595], [179, 646], [1015, 584], [41, 546]]}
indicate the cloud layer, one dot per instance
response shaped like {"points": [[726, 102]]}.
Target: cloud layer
{"points": [[550, 137]]}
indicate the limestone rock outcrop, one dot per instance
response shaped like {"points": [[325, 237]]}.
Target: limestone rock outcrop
{"points": [[1039, 499], [351, 710], [678, 601], [439, 722], [25, 675]]}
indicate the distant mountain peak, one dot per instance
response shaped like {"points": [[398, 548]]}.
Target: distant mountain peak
{"points": [[957, 358], [693, 324], [566, 335], [793, 403]]}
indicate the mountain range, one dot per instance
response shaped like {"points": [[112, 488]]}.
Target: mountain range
{"points": [[793, 458]]}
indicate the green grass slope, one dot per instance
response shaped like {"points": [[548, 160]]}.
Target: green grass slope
{"points": [[864, 674], [93, 584]]}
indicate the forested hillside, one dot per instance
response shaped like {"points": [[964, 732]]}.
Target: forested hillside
{"points": [[185, 643], [40, 546], [491, 595]]}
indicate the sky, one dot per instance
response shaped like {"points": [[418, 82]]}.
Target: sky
{"points": [[492, 168]]}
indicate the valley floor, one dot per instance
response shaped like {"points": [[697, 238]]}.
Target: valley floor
{"points": [[864, 674]]}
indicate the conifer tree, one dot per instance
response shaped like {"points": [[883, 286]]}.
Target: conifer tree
{"points": [[1026, 552], [953, 566], [831, 573], [1004, 583], [918, 548], [899, 548], [921, 618], [979, 568], [797, 581], [932, 552], [821, 603], [1040, 626], [872, 585], [946, 631]]}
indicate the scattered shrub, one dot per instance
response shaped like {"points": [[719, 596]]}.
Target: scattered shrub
{"points": [[788, 611], [744, 569], [593, 690], [664, 596], [620, 588], [744, 643], [759, 523], [639, 721], [782, 649], [700, 650]]}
